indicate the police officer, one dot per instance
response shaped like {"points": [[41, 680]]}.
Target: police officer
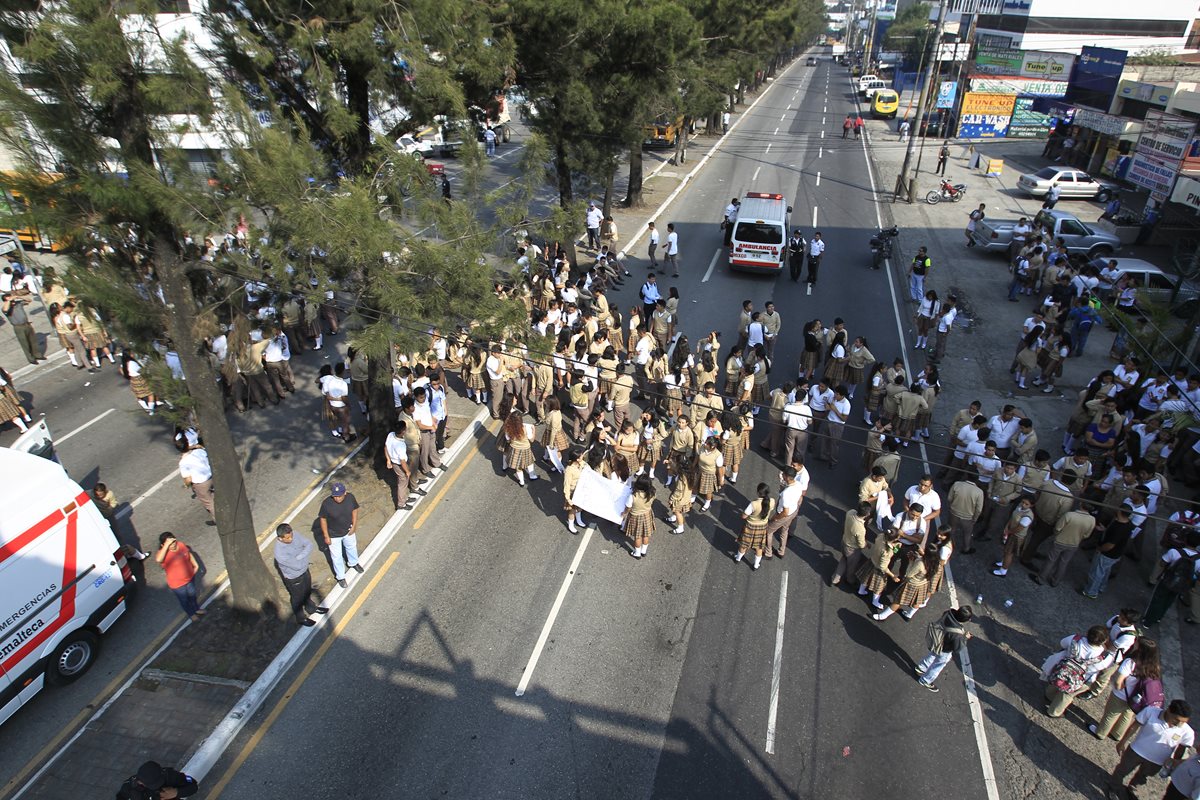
{"points": [[796, 254], [156, 782], [916, 275]]}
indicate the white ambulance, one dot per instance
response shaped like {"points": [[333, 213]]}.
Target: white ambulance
{"points": [[760, 234], [63, 578]]}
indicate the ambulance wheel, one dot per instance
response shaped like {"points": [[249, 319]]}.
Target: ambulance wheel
{"points": [[73, 657]]}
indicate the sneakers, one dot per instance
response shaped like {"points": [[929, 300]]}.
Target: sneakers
{"points": [[342, 583], [357, 568], [929, 686], [917, 669]]}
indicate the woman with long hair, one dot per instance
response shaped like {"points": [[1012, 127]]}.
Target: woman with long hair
{"points": [[875, 573], [813, 349], [931, 386], [731, 443], [652, 433], [876, 388], [554, 438], [519, 435], [835, 362], [673, 387], [755, 517], [11, 408], [857, 361], [637, 520], [1057, 350], [914, 589], [63, 319], [1137, 684], [132, 369], [626, 443], [574, 469], [683, 363], [95, 336], [473, 367], [928, 310], [1027, 356], [733, 372], [762, 371], [943, 545], [680, 501], [710, 471]]}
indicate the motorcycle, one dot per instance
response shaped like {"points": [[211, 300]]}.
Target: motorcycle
{"points": [[948, 191], [881, 245]]}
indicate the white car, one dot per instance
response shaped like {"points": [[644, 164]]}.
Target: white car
{"points": [[1072, 183]]}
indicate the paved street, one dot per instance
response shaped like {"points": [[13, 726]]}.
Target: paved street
{"points": [[656, 677]]}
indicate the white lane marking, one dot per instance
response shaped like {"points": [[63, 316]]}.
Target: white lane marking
{"points": [[809, 292], [820, 151], [825, 110], [777, 665], [824, 120], [776, 133], [789, 108], [755, 177], [711, 265], [768, 148], [782, 117], [28, 368], [137, 501], [554, 609], [985, 755], [818, 179], [822, 134], [814, 216], [84, 426]]}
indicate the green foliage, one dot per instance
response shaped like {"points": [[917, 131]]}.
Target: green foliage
{"points": [[1154, 57], [910, 33]]}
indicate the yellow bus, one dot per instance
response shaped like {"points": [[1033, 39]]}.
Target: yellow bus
{"points": [[663, 132], [13, 204]]}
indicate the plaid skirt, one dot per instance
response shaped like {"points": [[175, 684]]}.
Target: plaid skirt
{"points": [[935, 581], [520, 458], [706, 482], [874, 398], [913, 593], [639, 527], [96, 341], [9, 408], [680, 503], [875, 580], [808, 361], [731, 451], [559, 442], [759, 394], [475, 381], [674, 401], [140, 386], [854, 375], [650, 452], [731, 387], [754, 535], [835, 372], [745, 439]]}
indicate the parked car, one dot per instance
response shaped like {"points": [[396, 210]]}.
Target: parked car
{"points": [[869, 88], [1081, 238], [1156, 286], [1071, 182]]}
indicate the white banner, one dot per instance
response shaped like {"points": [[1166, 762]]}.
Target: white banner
{"points": [[604, 497], [1151, 174], [1030, 87]]}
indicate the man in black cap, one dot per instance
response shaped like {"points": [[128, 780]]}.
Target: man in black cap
{"points": [[153, 781]]}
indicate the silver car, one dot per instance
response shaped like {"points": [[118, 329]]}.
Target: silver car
{"points": [[1072, 183]]}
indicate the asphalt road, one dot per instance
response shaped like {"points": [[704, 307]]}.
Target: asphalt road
{"points": [[655, 679]]}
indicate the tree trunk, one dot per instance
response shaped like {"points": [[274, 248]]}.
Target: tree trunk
{"points": [[681, 141], [633, 195], [253, 589], [606, 206], [563, 171], [381, 404], [732, 102]]}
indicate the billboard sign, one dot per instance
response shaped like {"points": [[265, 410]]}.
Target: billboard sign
{"points": [[1027, 123], [993, 104], [1096, 76], [982, 126], [1023, 63], [947, 92], [1165, 141], [1029, 87]]}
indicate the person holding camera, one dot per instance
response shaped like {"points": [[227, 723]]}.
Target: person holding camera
{"points": [[156, 782], [13, 305], [179, 564]]}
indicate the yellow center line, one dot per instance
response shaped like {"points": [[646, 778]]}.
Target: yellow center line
{"points": [[492, 427], [292, 690]]}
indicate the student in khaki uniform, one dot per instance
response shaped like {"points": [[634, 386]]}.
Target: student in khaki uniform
{"points": [[680, 501], [622, 390], [754, 530], [1071, 529], [543, 387], [854, 541], [1053, 501], [889, 462], [681, 441], [554, 438], [1003, 491], [772, 323], [710, 472], [778, 426], [966, 504], [637, 520], [574, 469], [909, 404], [875, 573]]}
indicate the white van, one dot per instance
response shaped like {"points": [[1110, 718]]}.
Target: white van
{"points": [[759, 240], [63, 578]]}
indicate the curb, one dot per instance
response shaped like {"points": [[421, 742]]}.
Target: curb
{"points": [[213, 746]]}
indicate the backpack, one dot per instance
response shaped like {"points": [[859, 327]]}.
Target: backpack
{"points": [[1068, 674], [935, 635], [1180, 577], [1148, 692]]}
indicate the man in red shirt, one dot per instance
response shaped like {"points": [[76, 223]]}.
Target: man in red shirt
{"points": [[180, 566]]}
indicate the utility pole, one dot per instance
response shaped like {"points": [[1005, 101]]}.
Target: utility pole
{"points": [[904, 182], [870, 38], [963, 71]]}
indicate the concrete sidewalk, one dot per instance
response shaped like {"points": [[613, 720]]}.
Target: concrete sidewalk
{"points": [[1034, 755]]}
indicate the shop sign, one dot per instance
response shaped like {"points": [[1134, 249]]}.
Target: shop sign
{"points": [[1151, 174], [1047, 65], [1030, 87], [988, 104], [946, 94], [1027, 123], [1187, 192], [982, 126], [1099, 121], [1146, 92], [994, 61], [1166, 137]]}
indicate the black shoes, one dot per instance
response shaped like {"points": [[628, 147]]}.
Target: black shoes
{"points": [[357, 568]]}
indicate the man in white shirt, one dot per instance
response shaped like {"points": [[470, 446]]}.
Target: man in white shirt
{"points": [[197, 475], [1158, 737], [495, 373], [650, 298], [819, 398], [835, 425], [277, 359], [1004, 427], [671, 256], [945, 326], [816, 249], [1020, 233], [924, 495], [395, 451], [755, 332], [594, 217], [793, 487], [652, 248], [798, 417], [427, 457]]}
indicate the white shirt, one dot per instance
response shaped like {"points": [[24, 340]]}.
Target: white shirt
{"points": [[396, 447], [790, 497], [754, 334], [399, 390], [277, 350], [839, 411], [818, 400], [194, 466], [1156, 740], [493, 368], [672, 243], [966, 435], [1002, 432], [422, 414], [335, 389], [986, 467], [930, 501], [594, 217], [654, 236], [946, 321], [798, 416], [816, 247]]}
